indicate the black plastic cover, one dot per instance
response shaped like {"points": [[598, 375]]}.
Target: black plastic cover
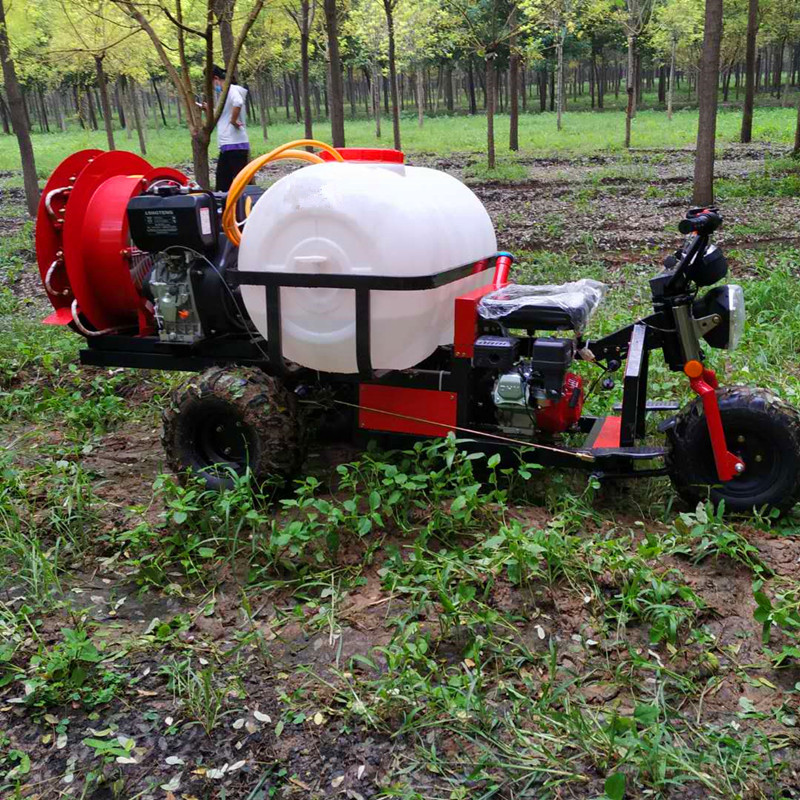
{"points": [[495, 352], [183, 220]]}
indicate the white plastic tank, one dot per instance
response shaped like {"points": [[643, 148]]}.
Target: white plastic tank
{"points": [[364, 218]]}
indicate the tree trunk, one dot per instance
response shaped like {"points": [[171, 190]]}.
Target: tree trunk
{"points": [[202, 173], [4, 116], [137, 117], [601, 80], [448, 88], [420, 93], [490, 72], [376, 99], [671, 91], [18, 119], [473, 105], [90, 104], [541, 83], [351, 90], [263, 106], [513, 92], [560, 80], [778, 76], [662, 85], [295, 81], [388, 7], [631, 89], [223, 10], [796, 150], [160, 104], [336, 98], [750, 72], [107, 119], [305, 11], [707, 99]]}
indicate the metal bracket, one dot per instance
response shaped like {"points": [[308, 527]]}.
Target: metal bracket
{"points": [[703, 325]]}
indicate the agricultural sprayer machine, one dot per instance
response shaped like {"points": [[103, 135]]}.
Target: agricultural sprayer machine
{"points": [[374, 292]]}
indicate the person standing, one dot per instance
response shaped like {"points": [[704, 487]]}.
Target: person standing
{"points": [[234, 145]]}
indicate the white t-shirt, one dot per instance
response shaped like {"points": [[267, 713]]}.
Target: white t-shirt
{"points": [[227, 133]]}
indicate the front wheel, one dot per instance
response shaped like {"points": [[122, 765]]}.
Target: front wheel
{"points": [[227, 421], [760, 429]]}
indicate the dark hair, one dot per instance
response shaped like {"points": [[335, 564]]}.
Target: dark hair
{"points": [[218, 72]]}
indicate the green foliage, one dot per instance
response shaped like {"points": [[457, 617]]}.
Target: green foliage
{"points": [[197, 692], [781, 611], [69, 671], [704, 534]]}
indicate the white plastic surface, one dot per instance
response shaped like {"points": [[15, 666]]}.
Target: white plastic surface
{"points": [[364, 219]]}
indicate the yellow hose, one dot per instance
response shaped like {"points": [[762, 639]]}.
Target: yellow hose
{"points": [[243, 178]]}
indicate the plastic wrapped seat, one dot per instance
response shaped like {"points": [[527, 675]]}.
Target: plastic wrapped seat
{"points": [[556, 307]]}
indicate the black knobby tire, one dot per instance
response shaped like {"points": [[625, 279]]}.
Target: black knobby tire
{"points": [[759, 428], [232, 419]]}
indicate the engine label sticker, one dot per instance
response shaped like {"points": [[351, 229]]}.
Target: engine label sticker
{"points": [[205, 221], [160, 222]]}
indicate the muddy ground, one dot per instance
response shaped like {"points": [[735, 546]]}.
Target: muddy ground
{"points": [[595, 209]]}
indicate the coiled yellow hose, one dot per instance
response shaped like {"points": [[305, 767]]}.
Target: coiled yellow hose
{"points": [[243, 178]]}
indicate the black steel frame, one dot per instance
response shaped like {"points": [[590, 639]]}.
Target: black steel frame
{"points": [[631, 344], [363, 285]]}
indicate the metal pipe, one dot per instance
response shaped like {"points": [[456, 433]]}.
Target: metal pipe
{"points": [[48, 199], [50, 290]]}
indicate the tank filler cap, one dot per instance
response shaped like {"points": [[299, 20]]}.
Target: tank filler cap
{"points": [[383, 155]]}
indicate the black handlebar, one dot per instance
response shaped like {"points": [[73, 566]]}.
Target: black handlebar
{"points": [[702, 221]]}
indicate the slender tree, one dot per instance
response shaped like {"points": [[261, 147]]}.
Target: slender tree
{"points": [[389, 7], [19, 119], [513, 86], [201, 119], [750, 72], [335, 81], [707, 85], [303, 17], [102, 85]]}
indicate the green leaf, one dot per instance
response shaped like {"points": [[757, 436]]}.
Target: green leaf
{"points": [[206, 552], [646, 714], [179, 517], [762, 601], [374, 501], [615, 786]]}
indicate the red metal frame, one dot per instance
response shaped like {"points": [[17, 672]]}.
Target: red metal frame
{"points": [[466, 308], [609, 434], [726, 462], [380, 403], [50, 229], [96, 245]]}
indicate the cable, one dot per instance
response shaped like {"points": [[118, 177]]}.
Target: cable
{"points": [[243, 178]]}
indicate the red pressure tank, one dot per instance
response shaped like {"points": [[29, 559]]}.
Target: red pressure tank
{"points": [[89, 267]]}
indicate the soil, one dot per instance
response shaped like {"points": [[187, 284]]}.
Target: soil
{"points": [[598, 208]]}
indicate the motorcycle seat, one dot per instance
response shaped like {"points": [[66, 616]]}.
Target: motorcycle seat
{"points": [[550, 307]]}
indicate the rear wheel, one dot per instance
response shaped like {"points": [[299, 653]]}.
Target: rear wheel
{"points": [[760, 429], [225, 421]]}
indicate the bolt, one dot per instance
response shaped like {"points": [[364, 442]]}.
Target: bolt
{"points": [[738, 468], [226, 451], [219, 428], [740, 439], [238, 424], [759, 458]]}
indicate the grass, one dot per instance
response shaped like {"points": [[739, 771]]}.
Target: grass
{"points": [[584, 132]]}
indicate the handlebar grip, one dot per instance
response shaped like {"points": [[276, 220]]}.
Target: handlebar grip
{"points": [[686, 226], [705, 223]]}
